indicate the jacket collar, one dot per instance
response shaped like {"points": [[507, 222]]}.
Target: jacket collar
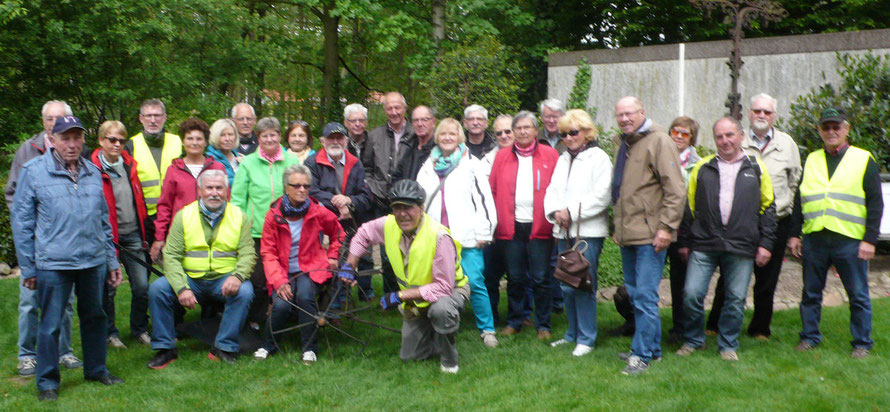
{"points": [[321, 157]]}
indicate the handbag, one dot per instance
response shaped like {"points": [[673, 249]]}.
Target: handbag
{"points": [[572, 268]]}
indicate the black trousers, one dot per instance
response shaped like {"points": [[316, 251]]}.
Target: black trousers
{"points": [[678, 282], [260, 304]]}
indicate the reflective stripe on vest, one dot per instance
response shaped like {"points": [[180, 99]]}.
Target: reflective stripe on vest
{"points": [[220, 257], [147, 169], [420, 256], [836, 204]]}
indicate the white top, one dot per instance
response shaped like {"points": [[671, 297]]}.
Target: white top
{"points": [[194, 169], [585, 181], [525, 190]]}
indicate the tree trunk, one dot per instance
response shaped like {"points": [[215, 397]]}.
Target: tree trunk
{"points": [[438, 7], [331, 73]]}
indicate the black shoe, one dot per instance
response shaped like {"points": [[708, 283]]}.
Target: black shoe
{"points": [[107, 380], [217, 355], [163, 358], [627, 329], [48, 395]]}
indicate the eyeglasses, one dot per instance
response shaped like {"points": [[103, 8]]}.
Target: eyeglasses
{"points": [[830, 127], [477, 119], [677, 133], [114, 140], [299, 186], [761, 111], [500, 132], [572, 133], [356, 121], [551, 117], [153, 115]]}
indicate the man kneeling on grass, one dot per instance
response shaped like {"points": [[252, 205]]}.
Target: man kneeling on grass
{"points": [[426, 262], [208, 255]]}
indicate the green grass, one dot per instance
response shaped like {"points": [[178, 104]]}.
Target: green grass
{"points": [[521, 374]]}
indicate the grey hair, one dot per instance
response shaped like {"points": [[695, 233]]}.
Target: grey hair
{"points": [[68, 111], [354, 108], [153, 102], [525, 114], [298, 169], [552, 104], [235, 108], [268, 123], [771, 99], [475, 108], [734, 121], [402, 96], [217, 129], [212, 173]]}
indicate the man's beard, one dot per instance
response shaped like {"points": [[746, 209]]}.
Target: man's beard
{"points": [[760, 126], [335, 151]]}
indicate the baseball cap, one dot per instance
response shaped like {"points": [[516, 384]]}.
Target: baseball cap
{"points": [[833, 114], [333, 128], [66, 123]]}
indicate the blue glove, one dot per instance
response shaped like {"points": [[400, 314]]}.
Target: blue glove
{"points": [[347, 272], [390, 300]]}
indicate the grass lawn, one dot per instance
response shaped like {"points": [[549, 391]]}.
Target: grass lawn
{"points": [[520, 374]]}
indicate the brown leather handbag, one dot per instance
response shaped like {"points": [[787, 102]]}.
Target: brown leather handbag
{"points": [[572, 268]]}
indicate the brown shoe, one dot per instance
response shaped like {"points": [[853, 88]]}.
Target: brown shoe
{"points": [[860, 353], [729, 355], [527, 322], [761, 337], [804, 346], [509, 331], [543, 335], [710, 332]]}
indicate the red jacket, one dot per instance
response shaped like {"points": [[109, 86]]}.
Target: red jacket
{"points": [[275, 244], [130, 167], [503, 189], [179, 189]]}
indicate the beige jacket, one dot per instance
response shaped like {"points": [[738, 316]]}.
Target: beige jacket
{"points": [[782, 159], [653, 192]]}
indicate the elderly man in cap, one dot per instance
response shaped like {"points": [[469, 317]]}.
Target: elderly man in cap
{"points": [[838, 209], [63, 240], [426, 262]]}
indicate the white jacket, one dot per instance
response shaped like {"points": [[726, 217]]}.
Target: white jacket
{"points": [[586, 180], [487, 162], [468, 200]]}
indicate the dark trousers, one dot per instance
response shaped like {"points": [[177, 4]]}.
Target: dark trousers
{"points": [[528, 262], [306, 298], [260, 304], [765, 280], [678, 282]]}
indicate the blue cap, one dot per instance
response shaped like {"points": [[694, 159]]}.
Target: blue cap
{"points": [[332, 128], [66, 123]]}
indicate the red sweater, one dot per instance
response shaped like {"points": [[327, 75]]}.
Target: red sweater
{"points": [[130, 166], [275, 244], [503, 189], [179, 189]]}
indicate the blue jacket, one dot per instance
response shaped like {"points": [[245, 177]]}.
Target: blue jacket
{"points": [[60, 225], [325, 184], [217, 155]]}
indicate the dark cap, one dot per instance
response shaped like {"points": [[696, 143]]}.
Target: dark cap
{"points": [[833, 114], [407, 192], [66, 123], [333, 128]]}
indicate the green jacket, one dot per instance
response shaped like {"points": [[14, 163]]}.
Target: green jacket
{"points": [[174, 252], [256, 187]]}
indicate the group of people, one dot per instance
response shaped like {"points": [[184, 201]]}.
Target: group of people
{"points": [[244, 223]]}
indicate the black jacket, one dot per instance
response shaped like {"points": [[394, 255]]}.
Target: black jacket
{"points": [[411, 158], [752, 221], [480, 150], [325, 185]]}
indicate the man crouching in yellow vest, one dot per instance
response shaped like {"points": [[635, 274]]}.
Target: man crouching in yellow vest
{"points": [[838, 209], [426, 262], [209, 255]]}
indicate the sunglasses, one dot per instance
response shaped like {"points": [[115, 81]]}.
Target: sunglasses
{"points": [[761, 111], [299, 186], [677, 133], [499, 133], [572, 133], [829, 127], [114, 140]]}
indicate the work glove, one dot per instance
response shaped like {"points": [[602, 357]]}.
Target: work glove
{"points": [[390, 300], [347, 272]]}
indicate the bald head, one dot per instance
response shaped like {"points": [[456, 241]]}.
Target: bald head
{"points": [[424, 122], [629, 114]]}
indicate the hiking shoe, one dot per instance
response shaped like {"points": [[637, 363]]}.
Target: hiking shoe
{"points": [[761, 337], [489, 339], [217, 354], [115, 342], [804, 346], [687, 349], [27, 367], [635, 366], [558, 342], [448, 369], [48, 395], [581, 350], [729, 355], [527, 322], [860, 353], [144, 338], [507, 331], [70, 361], [543, 335], [163, 358], [309, 357], [107, 380], [626, 355]]}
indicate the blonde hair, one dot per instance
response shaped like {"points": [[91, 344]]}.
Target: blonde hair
{"points": [[580, 120], [449, 121], [218, 127], [110, 125]]}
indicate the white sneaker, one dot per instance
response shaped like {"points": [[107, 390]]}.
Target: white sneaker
{"points": [[309, 357], [558, 342], [581, 350], [144, 338], [489, 339], [115, 342], [448, 369], [261, 354]]}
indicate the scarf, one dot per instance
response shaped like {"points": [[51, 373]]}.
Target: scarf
{"points": [[212, 217], [443, 165], [302, 154], [291, 211], [526, 152], [575, 153], [113, 167], [271, 159]]}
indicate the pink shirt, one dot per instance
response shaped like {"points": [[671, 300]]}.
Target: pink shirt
{"points": [[729, 170], [372, 233]]}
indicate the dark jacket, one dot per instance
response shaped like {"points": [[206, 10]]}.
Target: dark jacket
{"points": [[411, 158], [480, 150], [135, 185], [356, 149], [752, 221], [325, 184], [543, 139], [248, 145], [380, 160], [29, 149]]}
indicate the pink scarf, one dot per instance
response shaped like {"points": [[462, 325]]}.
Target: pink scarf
{"points": [[525, 152], [274, 158]]}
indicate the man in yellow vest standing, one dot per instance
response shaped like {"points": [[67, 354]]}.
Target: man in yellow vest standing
{"points": [[426, 262], [209, 255], [154, 150], [838, 209]]}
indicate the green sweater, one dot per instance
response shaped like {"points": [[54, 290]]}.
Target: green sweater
{"points": [[174, 252], [257, 184]]}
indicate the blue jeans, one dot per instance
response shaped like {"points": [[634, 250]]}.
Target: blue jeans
{"points": [[54, 291], [472, 264], [138, 277], [736, 272], [580, 305], [163, 301], [528, 261], [29, 322], [821, 250], [643, 267], [305, 293]]}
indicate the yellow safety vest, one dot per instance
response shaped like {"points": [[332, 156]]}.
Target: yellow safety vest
{"points": [[420, 256], [147, 169], [219, 257], [836, 204]]}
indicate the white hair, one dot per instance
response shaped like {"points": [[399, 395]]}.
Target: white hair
{"points": [[771, 99], [354, 108], [213, 173], [68, 111], [525, 114], [475, 108], [218, 127], [235, 107], [296, 169], [552, 104]]}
